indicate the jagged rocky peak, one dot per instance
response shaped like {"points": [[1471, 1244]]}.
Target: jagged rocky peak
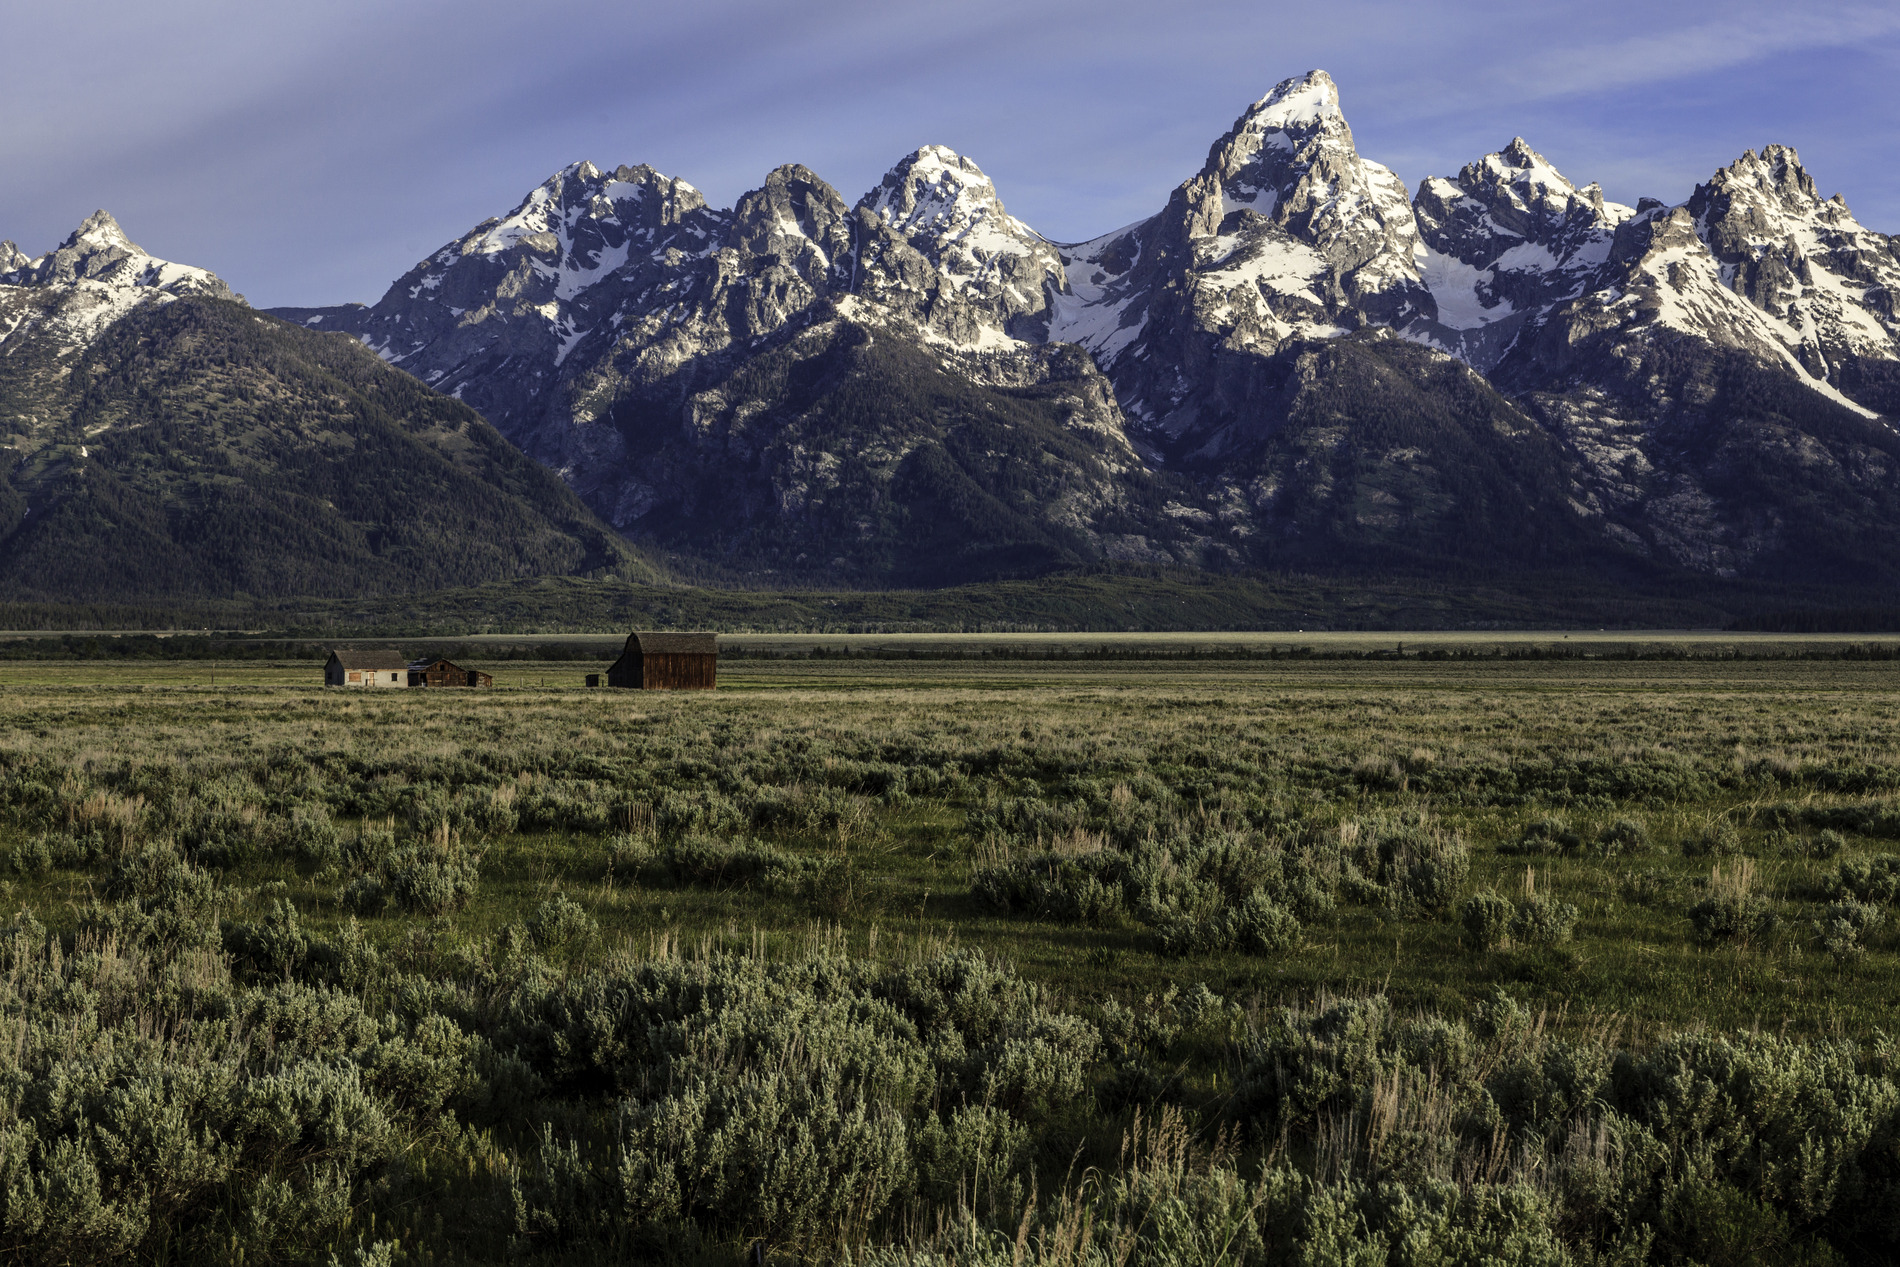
{"points": [[942, 205], [1286, 207], [940, 248], [1501, 245], [1662, 279], [937, 196], [93, 250], [97, 275], [1279, 139], [1774, 177], [1801, 258], [1292, 159], [1512, 196], [99, 251], [799, 218], [580, 208]]}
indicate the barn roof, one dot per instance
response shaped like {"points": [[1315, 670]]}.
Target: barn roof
{"points": [[673, 643], [374, 661]]}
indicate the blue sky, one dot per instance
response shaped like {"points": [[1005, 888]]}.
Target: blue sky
{"points": [[311, 153]]}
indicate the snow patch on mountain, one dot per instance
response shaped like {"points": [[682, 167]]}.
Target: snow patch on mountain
{"points": [[1462, 291], [1097, 308], [92, 279]]}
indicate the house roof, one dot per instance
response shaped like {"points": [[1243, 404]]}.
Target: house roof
{"points": [[372, 661], [422, 666], [647, 643]]}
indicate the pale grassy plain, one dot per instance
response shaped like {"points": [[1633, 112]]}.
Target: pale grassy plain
{"points": [[1482, 747]]}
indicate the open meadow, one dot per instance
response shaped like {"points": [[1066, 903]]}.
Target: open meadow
{"points": [[984, 960]]}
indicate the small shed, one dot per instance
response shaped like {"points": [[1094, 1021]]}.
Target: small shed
{"points": [[366, 668], [667, 661], [446, 673]]}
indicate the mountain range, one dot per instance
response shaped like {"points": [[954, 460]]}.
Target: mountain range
{"points": [[1295, 364]]}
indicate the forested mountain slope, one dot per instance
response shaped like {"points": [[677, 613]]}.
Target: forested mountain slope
{"points": [[171, 442]]}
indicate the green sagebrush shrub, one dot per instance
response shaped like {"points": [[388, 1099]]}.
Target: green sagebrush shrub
{"points": [[828, 881], [1258, 925], [417, 878], [1224, 889], [1875, 879], [1419, 866], [1725, 917], [1666, 1155], [562, 924], [1486, 918], [1827, 844], [1074, 888], [1720, 839], [1489, 920], [1555, 836], [1844, 924], [1541, 920], [793, 1102], [1220, 891], [1545, 836], [156, 1104], [1625, 835]]}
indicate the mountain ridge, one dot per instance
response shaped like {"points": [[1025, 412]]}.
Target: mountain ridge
{"points": [[1229, 328], [1296, 362], [167, 441]]}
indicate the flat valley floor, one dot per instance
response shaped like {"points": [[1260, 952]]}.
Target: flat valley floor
{"points": [[1196, 862]]}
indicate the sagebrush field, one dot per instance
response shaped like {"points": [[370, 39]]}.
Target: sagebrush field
{"points": [[949, 962]]}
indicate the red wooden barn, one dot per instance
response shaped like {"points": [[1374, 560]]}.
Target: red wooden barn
{"points": [[667, 661], [446, 673]]}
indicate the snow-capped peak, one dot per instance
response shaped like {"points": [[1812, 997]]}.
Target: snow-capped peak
{"points": [[99, 231], [1776, 173], [1297, 104], [1502, 244], [939, 192], [99, 252], [1527, 174], [93, 278], [941, 204], [1279, 139], [1802, 260], [1287, 212]]}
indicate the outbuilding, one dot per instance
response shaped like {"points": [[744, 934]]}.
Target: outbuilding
{"points": [[446, 673], [667, 661], [366, 668]]}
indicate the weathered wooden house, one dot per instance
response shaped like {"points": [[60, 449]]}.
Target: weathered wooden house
{"points": [[667, 661], [446, 673], [366, 668]]}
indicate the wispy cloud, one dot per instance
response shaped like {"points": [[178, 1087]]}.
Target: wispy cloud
{"points": [[310, 153], [1745, 35]]}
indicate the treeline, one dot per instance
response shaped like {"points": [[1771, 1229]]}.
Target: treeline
{"points": [[1833, 620], [1107, 652], [82, 646], [76, 646], [233, 646]]}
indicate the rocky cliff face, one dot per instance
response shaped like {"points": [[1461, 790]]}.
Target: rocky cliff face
{"points": [[1291, 363]]}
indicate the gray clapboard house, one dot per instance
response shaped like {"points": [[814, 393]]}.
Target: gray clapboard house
{"points": [[366, 668]]}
